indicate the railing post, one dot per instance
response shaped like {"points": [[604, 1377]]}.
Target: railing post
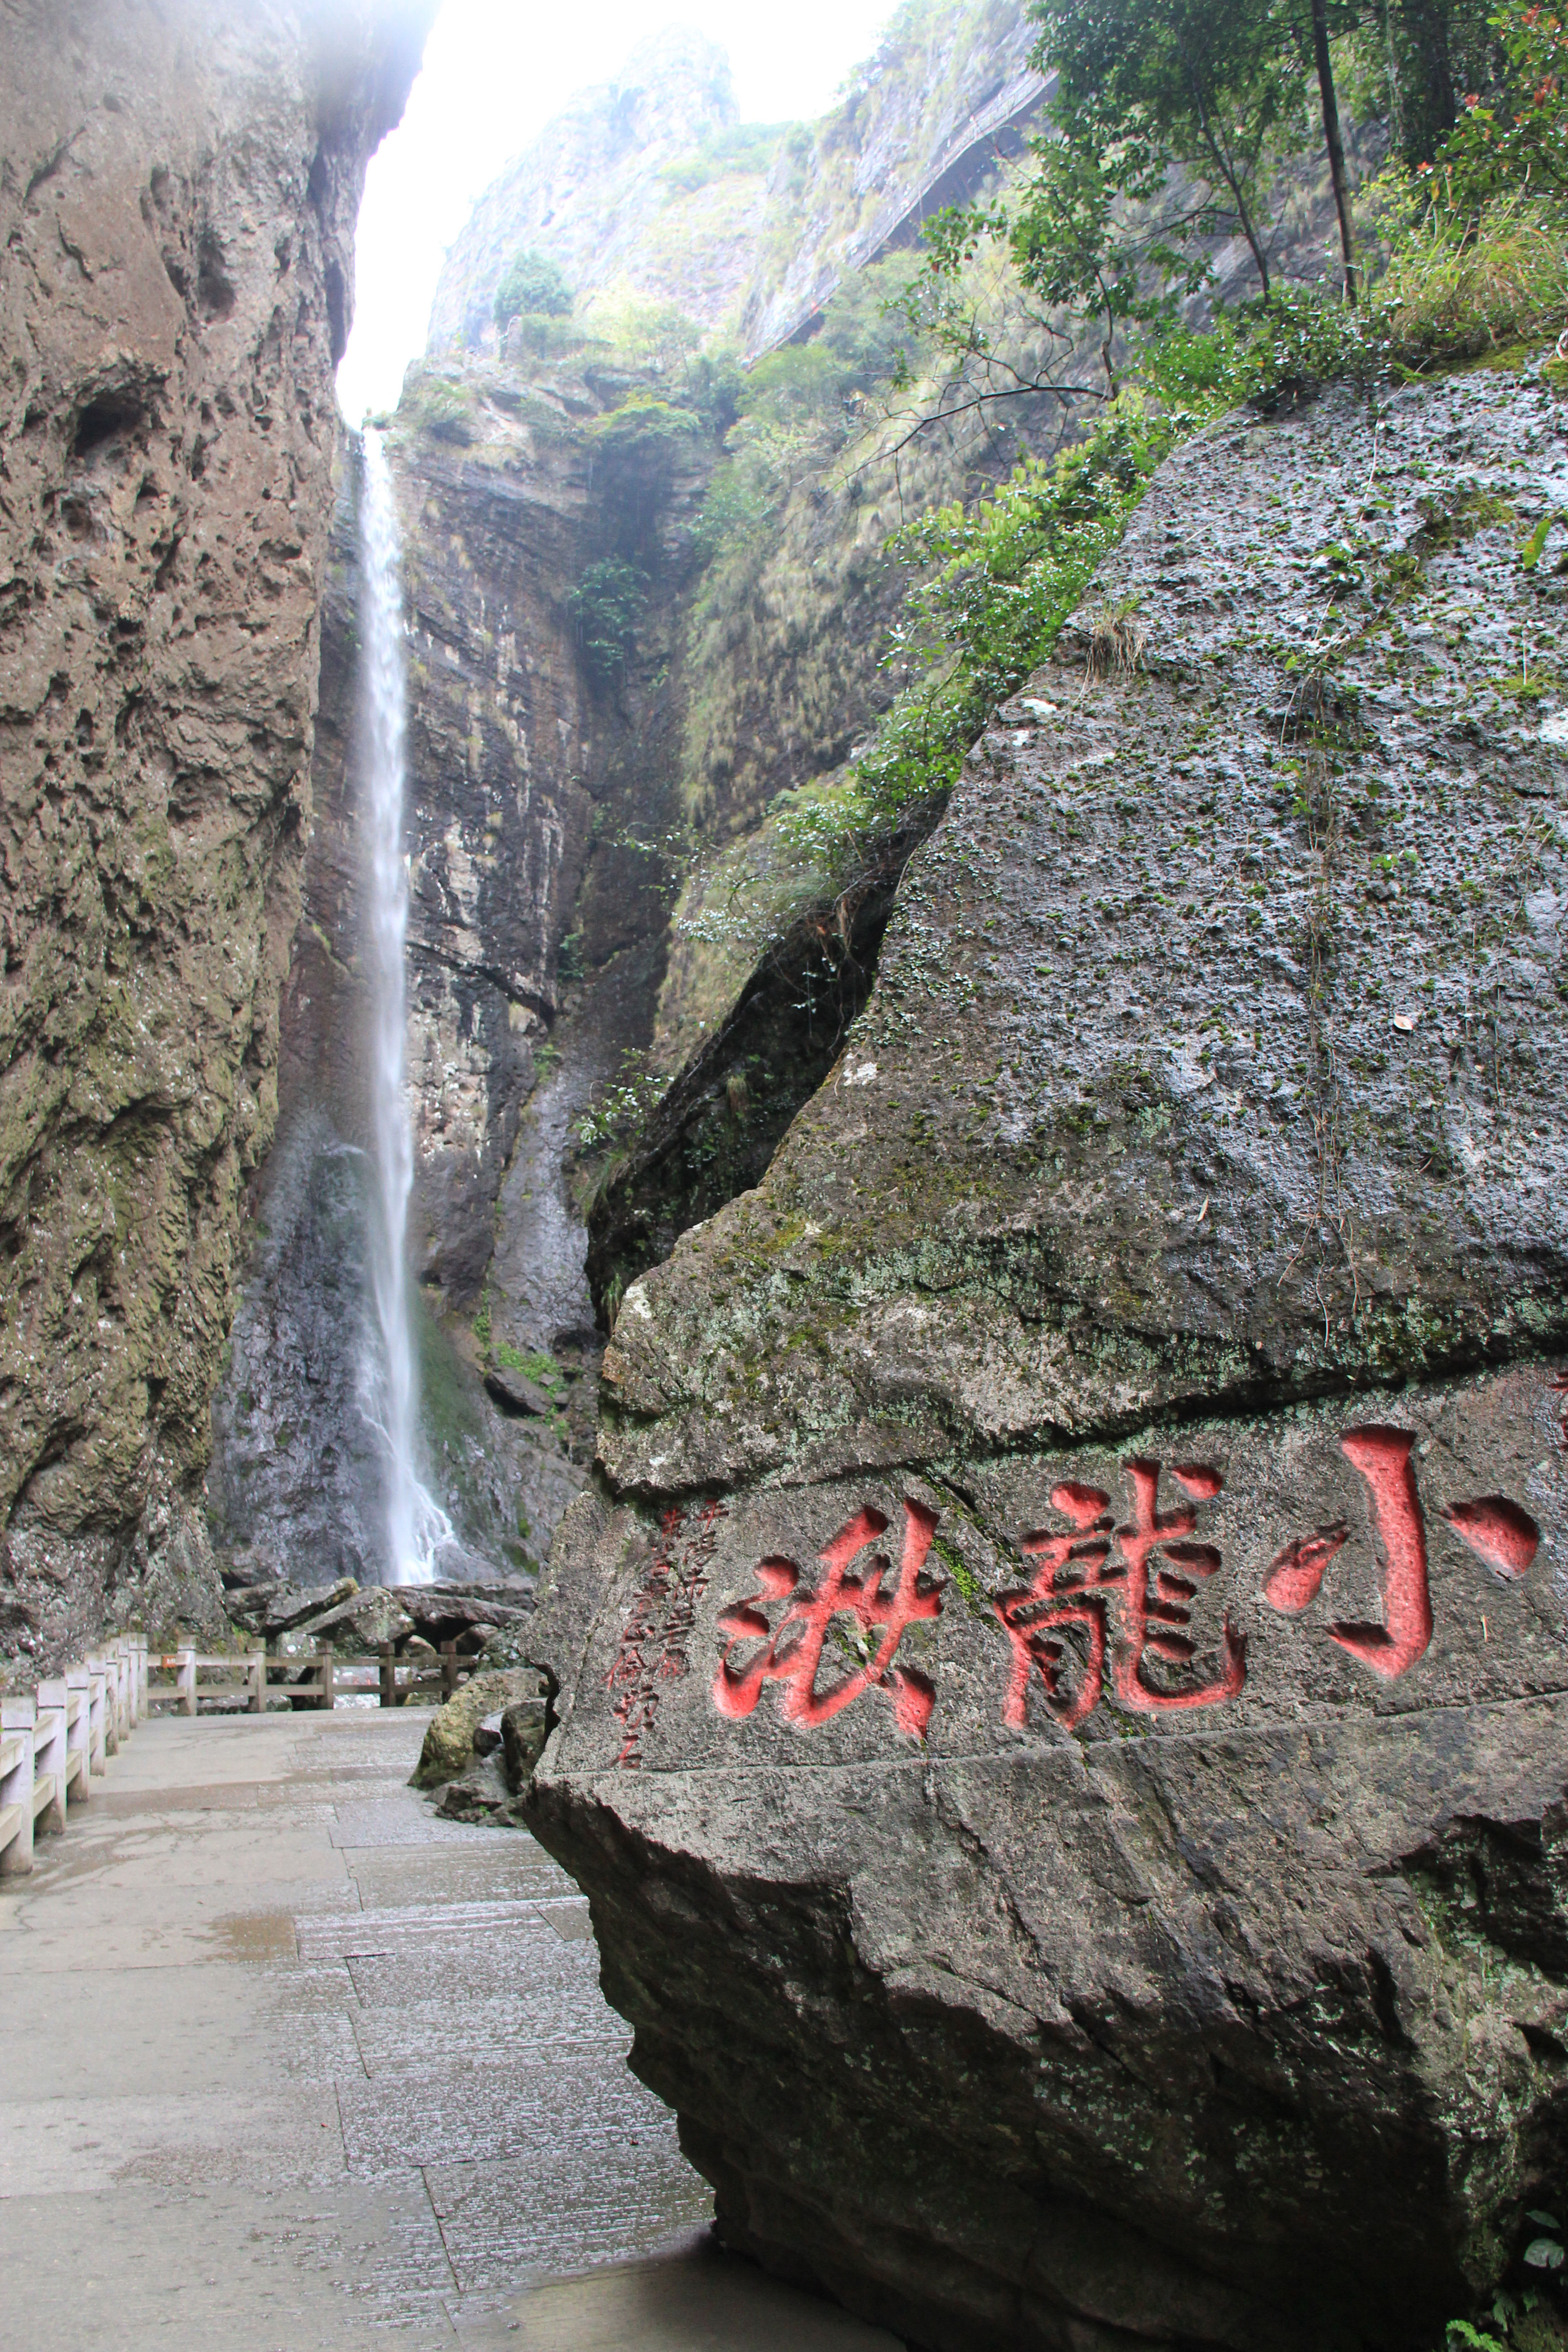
{"points": [[106, 1742], [51, 1751], [186, 1682], [256, 1675], [388, 1675], [80, 1737], [18, 1715], [98, 1742], [449, 1669], [141, 1674], [325, 1659]]}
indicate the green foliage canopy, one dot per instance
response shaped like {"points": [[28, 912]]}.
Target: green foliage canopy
{"points": [[532, 287], [1146, 85]]}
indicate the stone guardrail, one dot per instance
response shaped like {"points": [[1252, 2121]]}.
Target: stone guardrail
{"points": [[313, 1678], [55, 1744]]}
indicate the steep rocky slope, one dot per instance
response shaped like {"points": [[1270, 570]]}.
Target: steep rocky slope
{"points": [[536, 783], [649, 189], [948, 95], [597, 192], [1127, 1906], [178, 195]]}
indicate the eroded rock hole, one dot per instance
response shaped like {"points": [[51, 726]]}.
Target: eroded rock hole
{"points": [[337, 309], [214, 288], [111, 417]]}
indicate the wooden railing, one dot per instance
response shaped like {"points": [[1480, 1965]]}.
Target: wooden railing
{"points": [[53, 1745]]}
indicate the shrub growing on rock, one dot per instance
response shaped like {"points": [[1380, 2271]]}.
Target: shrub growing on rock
{"points": [[532, 287]]}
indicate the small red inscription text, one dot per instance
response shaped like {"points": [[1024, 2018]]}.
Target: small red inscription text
{"points": [[652, 1650]]}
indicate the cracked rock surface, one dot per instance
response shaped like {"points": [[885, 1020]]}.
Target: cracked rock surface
{"points": [[1061, 1672], [176, 204]]}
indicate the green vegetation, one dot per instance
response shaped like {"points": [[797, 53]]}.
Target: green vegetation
{"points": [[604, 607], [750, 147], [1147, 89], [994, 585], [799, 406], [442, 406], [1472, 257], [532, 287], [616, 1110], [1462, 281], [533, 1365]]}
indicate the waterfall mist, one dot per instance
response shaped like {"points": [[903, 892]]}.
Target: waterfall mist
{"points": [[416, 1524]]}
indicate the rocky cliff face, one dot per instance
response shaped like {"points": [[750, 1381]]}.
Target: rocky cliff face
{"points": [[178, 195], [536, 781], [946, 99], [648, 190], [595, 192], [1062, 1668]]}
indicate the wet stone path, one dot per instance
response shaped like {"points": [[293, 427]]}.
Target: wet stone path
{"points": [[287, 2061]]}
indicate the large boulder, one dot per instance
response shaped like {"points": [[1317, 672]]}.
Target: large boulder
{"points": [[449, 1744], [1061, 1694]]}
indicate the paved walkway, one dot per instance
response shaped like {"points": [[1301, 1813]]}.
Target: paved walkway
{"points": [[287, 2063]]}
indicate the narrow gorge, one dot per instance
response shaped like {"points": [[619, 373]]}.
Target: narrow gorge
{"points": [[822, 1009]]}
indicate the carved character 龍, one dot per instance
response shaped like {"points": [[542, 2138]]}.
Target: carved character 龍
{"points": [[1149, 1568]]}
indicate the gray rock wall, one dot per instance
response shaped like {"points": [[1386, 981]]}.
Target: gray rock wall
{"points": [[177, 206], [1061, 1674], [532, 781]]}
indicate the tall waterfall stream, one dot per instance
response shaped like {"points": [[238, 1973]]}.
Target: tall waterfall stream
{"points": [[416, 1525]]}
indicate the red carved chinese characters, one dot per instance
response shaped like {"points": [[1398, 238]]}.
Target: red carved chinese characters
{"points": [[1153, 1577], [792, 1655], [1382, 1457], [652, 1647], [1497, 1530]]}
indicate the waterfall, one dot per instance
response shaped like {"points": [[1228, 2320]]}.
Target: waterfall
{"points": [[416, 1524]]}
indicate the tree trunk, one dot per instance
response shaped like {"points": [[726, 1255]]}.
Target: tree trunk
{"points": [[1335, 144], [1431, 108], [1223, 168]]}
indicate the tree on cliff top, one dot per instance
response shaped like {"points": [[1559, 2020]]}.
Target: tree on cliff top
{"points": [[531, 288], [1144, 86]]}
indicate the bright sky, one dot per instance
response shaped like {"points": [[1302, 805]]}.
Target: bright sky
{"points": [[494, 71]]}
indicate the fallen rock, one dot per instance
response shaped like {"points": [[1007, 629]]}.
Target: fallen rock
{"points": [[441, 1614], [524, 1727], [486, 1735], [507, 1646], [480, 1794], [1063, 1697], [360, 1624], [273, 1609], [515, 1393], [448, 1748]]}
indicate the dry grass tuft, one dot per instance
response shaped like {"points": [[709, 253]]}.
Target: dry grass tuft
{"points": [[1457, 288], [1116, 643]]}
